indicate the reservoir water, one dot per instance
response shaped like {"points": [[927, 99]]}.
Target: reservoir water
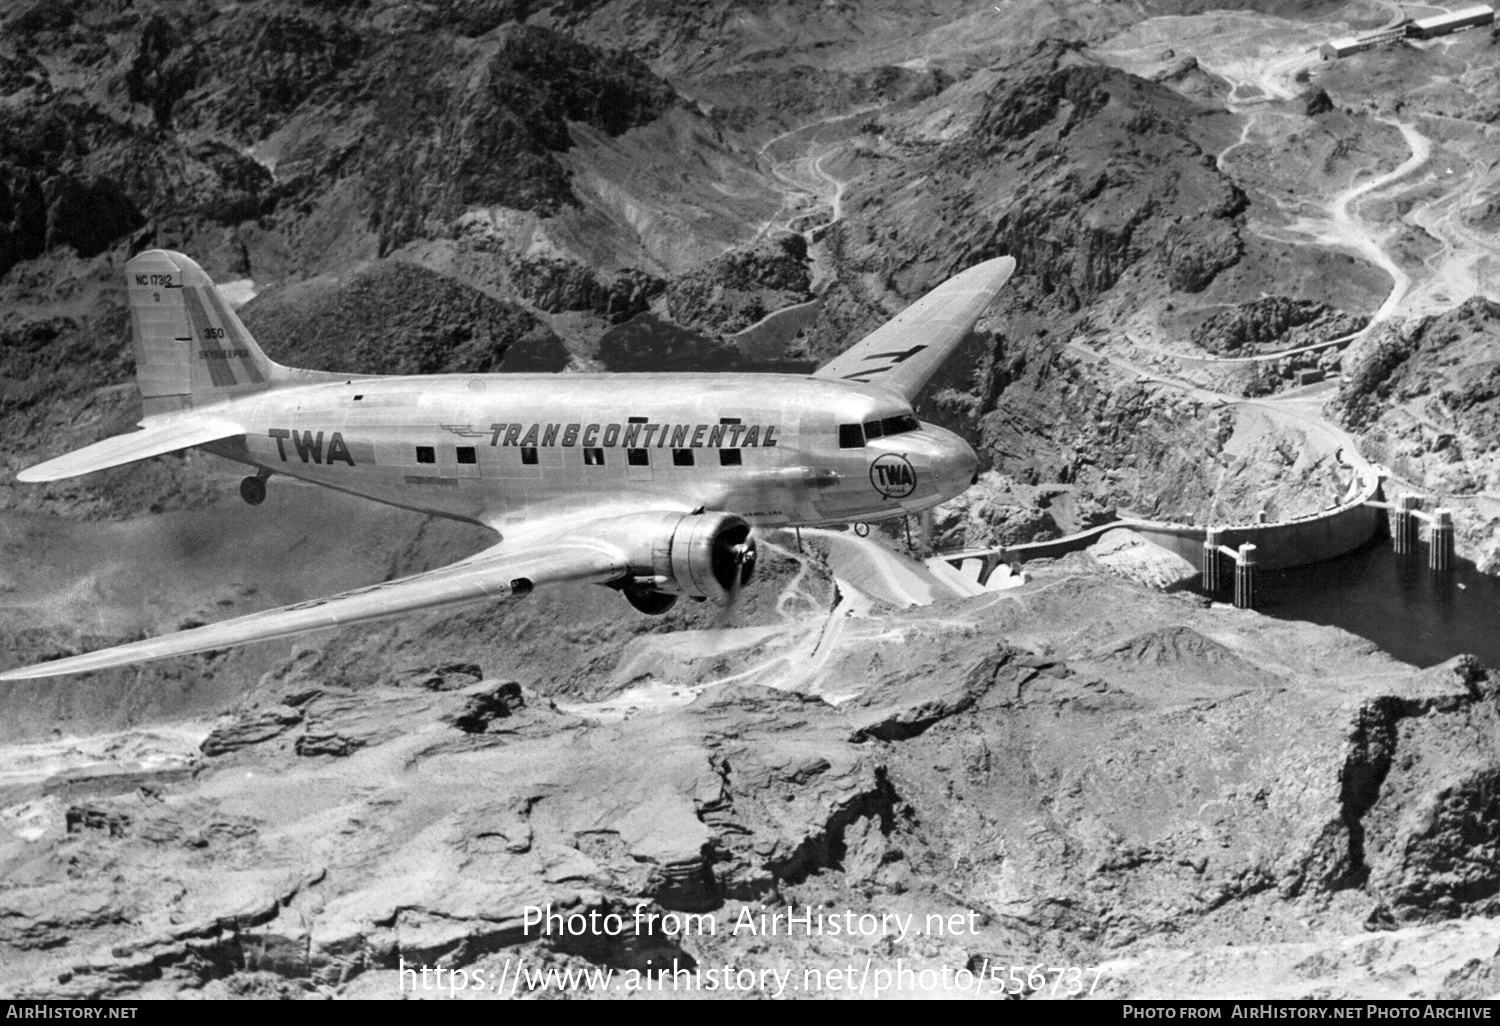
{"points": [[1416, 615], [648, 343]]}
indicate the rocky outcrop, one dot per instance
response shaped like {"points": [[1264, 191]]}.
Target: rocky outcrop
{"points": [[1089, 173], [1436, 357], [241, 72], [1418, 800], [1424, 399], [1315, 101], [487, 135], [23, 219], [398, 318], [1179, 651], [448, 126], [487, 704], [741, 287], [160, 73], [97, 178], [1131, 556], [1273, 323], [999, 510], [340, 721], [760, 788], [88, 214], [990, 523], [559, 285], [1186, 76], [251, 728], [903, 707]]}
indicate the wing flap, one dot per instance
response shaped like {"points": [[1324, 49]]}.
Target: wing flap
{"points": [[490, 574], [905, 352], [154, 439]]}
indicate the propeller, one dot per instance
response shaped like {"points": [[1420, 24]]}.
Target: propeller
{"points": [[744, 555]]}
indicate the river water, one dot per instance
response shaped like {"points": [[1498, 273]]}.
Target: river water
{"points": [[1416, 615]]}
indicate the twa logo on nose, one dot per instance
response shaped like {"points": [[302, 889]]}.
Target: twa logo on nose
{"points": [[893, 477]]}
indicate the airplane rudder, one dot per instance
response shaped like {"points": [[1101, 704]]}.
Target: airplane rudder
{"points": [[189, 341], [160, 333]]}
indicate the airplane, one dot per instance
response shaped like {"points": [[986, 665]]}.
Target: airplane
{"points": [[647, 483]]}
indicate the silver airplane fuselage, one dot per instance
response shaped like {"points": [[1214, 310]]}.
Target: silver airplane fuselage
{"points": [[497, 449]]}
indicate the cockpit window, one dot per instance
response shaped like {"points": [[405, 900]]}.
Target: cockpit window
{"points": [[890, 425], [854, 436]]}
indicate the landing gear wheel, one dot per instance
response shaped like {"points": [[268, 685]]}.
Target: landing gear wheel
{"points": [[253, 490]]}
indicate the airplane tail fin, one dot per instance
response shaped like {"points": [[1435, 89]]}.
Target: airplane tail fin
{"points": [[190, 347]]}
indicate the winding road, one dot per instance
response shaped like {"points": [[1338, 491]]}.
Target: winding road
{"points": [[1349, 230], [804, 183]]}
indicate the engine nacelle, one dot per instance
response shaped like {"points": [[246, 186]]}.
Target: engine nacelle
{"points": [[701, 555]]}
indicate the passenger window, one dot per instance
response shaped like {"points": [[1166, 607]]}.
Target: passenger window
{"points": [[426, 454], [851, 436], [528, 455], [638, 457], [729, 457], [465, 454], [593, 457], [682, 457]]}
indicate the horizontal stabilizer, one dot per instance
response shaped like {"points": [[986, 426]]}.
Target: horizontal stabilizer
{"points": [[153, 439], [905, 352], [492, 574]]}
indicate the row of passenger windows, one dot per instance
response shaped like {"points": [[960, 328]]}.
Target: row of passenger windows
{"points": [[854, 436], [592, 456]]}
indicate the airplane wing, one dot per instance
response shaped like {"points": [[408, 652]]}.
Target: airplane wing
{"points": [[153, 439], [903, 353], [497, 572]]}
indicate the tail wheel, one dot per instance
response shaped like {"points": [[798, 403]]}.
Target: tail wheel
{"points": [[253, 490]]}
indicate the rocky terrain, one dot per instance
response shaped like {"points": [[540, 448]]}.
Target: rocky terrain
{"points": [[1103, 776], [1083, 770], [1425, 398]]}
